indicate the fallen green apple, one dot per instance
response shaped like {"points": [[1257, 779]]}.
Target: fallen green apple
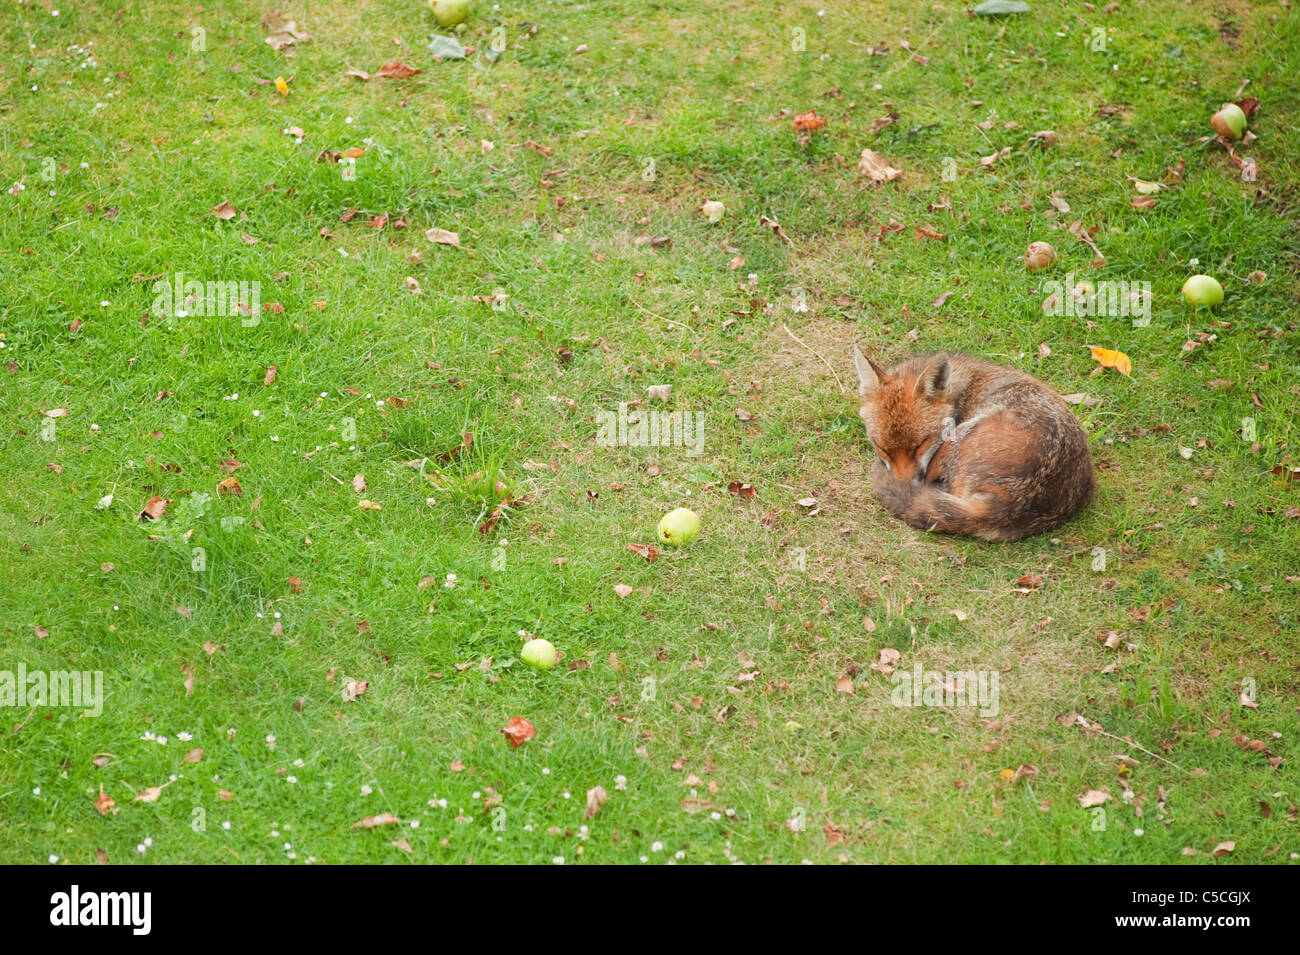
{"points": [[679, 527], [449, 12], [539, 653], [1230, 121], [1202, 290]]}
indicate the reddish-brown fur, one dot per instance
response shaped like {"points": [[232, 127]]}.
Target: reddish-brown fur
{"points": [[1016, 464]]}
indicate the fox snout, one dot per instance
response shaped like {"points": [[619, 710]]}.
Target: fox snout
{"points": [[904, 464]]}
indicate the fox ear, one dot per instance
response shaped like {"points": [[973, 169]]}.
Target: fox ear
{"points": [[934, 378], [869, 373]]}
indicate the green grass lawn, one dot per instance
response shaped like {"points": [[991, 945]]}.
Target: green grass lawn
{"points": [[726, 705]]}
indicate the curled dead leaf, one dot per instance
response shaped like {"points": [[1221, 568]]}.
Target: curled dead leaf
{"points": [[104, 802], [876, 167], [518, 731], [373, 822]]}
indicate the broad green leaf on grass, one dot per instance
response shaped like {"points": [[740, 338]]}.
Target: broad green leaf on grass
{"points": [[993, 8], [446, 48]]}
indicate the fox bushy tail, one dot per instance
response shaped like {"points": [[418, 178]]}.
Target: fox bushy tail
{"points": [[926, 507]]}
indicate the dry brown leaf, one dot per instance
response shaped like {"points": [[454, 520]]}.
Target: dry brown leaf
{"points": [[768, 223], [372, 822], [397, 70], [875, 166], [442, 237]]}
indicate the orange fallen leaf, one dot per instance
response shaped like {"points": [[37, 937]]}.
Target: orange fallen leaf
{"points": [[154, 508], [104, 802], [518, 731], [1109, 358], [808, 122]]}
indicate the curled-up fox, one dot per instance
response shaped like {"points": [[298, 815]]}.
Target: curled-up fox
{"points": [[964, 446]]}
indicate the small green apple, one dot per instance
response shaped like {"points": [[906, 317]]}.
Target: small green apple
{"points": [[679, 527], [1203, 290], [539, 653], [449, 12], [1230, 121]]}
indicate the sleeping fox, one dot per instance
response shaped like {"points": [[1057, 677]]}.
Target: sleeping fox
{"points": [[964, 446]]}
